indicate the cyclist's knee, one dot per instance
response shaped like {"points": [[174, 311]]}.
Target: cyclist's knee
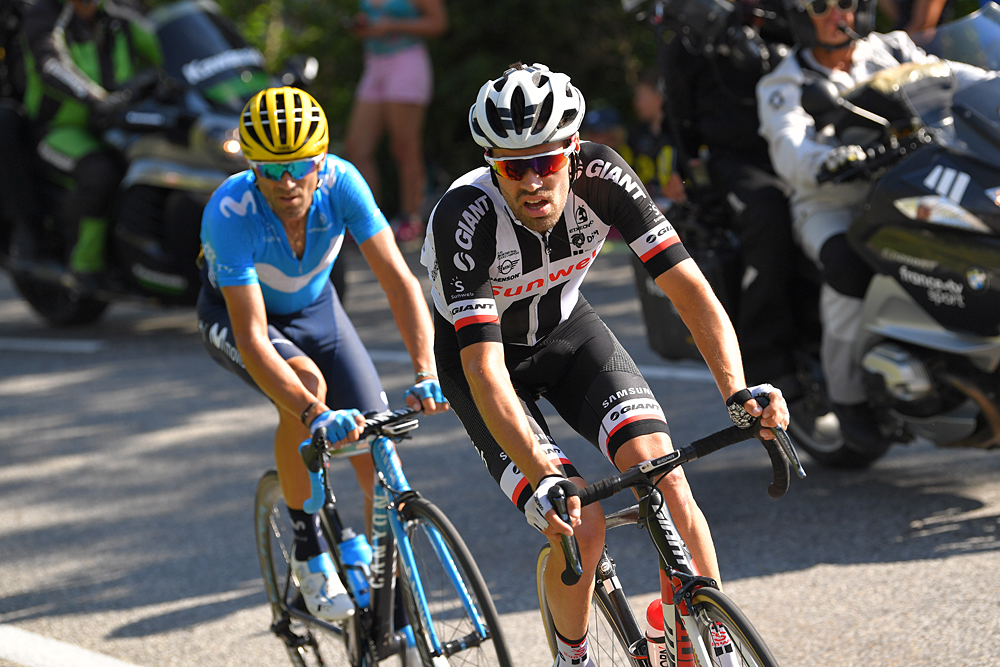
{"points": [[642, 448], [590, 535], [310, 375]]}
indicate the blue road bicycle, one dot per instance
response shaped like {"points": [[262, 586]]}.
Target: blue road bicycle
{"points": [[445, 602]]}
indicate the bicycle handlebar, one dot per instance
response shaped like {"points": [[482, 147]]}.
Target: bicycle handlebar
{"points": [[780, 450], [395, 424]]}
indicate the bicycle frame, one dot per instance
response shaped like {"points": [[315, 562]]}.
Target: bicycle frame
{"points": [[684, 637], [389, 541]]}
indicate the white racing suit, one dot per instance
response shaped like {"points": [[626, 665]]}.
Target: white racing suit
{"points": [[820, 212]]}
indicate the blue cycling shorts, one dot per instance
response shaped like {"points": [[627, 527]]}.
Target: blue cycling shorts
{"points": [[321, 331]]}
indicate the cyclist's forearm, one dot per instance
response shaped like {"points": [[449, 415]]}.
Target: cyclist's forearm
{"points": [[501, 410], [708, 323], [409, 310], [406, 299], [276, 378]]}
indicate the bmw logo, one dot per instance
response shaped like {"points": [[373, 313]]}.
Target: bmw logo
{"points": [[977, 279]]}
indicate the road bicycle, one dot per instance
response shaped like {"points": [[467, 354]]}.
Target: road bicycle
{"points": [[703, 627], [448, 609]]}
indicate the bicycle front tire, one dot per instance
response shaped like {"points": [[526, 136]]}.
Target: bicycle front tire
{"points": [[307, 644], [434, 542], [606, 641], [719, 618]]}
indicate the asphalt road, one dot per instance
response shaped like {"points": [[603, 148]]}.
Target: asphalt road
{"points": [[128, 463]]}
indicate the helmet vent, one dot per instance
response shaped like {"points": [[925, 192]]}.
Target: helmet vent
{"points": [[542, 118], [567, 118], [282, 120], [497, 124], [517, 110]]}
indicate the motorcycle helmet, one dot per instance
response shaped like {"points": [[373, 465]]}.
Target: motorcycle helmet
{"points": [[805, 33], [283, 124], [527, 106]]}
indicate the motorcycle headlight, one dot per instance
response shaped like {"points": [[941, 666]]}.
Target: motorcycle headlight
{"points": [[940, 211], [228, 141]]}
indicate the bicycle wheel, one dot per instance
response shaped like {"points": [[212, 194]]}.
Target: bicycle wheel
{"points": [[308, 644], [456, 596], [720, 619], [608, 646]]}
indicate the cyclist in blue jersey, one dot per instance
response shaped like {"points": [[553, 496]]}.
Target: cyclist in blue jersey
{"points": [[506, 249], [268, 312]]}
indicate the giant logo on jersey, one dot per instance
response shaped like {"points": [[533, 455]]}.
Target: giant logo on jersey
{"points": [[512, 480], [228, 206], [655, 241], [473, 311], [627, 412], [470, 218], [612, 172]]}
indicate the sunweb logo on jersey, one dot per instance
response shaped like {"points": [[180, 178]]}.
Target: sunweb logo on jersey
{"points": [[464, 262]]}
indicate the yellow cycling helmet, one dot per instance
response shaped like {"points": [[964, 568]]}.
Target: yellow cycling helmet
{"points": [[283, 124]]}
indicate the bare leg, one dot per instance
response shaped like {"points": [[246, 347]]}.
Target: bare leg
{"points": [[684, 510], [405, 123], [292, 472], [364, 130], [570, 605]]}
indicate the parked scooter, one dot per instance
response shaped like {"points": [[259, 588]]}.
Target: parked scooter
{"points": [[179, 136]]}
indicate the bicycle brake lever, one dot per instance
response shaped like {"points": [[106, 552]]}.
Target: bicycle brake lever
{"points": [[785, 443], [570, 547]]}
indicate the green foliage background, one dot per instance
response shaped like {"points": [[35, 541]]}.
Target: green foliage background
{"points": [[594, 41]]}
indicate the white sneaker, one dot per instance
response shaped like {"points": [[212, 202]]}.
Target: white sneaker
{"points": [[321, 588]]}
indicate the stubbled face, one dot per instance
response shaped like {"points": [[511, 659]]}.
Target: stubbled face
{"points": [[827, 31], [537, 202], [289, 199]]}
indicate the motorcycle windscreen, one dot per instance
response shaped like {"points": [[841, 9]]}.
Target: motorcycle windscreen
{"points": [[973, 39], [203, 49]]}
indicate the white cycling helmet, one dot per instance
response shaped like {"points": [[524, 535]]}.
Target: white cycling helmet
{"points": [[526, 107]]}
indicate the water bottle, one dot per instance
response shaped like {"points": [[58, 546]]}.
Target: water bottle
{"points": [[656, 640], [356, 555]]}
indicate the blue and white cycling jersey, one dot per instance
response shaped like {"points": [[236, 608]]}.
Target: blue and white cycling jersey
{"points": [[246, 244]]}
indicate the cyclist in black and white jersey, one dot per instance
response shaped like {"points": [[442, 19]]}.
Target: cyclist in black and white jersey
{"points": [[506, 249]]}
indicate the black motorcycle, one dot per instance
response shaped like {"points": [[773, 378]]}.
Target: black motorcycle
{"points": [[930, 230], [180, 139]]}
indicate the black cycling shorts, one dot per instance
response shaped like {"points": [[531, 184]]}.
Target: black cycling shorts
{"points": [[581, 369], [321, 331]]}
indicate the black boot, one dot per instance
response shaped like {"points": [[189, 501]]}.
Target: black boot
{"points": [[859, 427]]}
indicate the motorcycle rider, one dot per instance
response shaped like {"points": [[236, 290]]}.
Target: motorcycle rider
{"points": [[834, 41], [80, 54], [268, 313], [712, 104]]}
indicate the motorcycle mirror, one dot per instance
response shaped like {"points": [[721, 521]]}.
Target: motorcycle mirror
{"points": [[299, 71]]}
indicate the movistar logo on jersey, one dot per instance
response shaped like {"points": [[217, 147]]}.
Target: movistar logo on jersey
{"points": [[612, 172], [470, 218], [229, 206]]}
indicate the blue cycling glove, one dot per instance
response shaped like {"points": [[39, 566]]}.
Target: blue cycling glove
{"points": [[338, 423], [429, 388]]}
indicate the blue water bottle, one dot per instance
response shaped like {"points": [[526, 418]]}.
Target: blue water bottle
{"points": [[356, 555]]}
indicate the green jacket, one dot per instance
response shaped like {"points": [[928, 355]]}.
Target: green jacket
{"points": [[73, 64]]}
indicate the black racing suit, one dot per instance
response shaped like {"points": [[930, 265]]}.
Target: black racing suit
{"points": [[494, 279]]}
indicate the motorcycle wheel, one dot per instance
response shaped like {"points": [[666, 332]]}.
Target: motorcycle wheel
{"points": [[815, 428], [58, 305]]}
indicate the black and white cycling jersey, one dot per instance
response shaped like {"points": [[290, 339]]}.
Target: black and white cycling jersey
{"points": [[496, 280]]}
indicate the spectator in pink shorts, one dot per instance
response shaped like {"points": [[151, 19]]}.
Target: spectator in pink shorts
{"points": [[392, 97]]}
